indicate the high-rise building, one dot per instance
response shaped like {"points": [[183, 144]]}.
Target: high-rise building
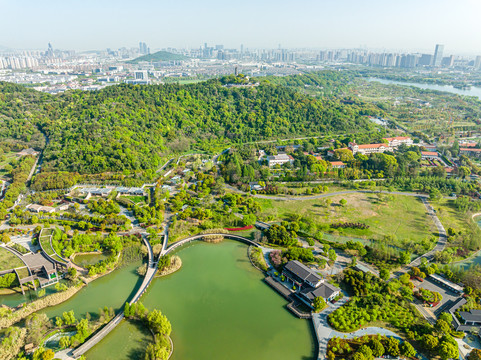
{"points": [[448, 61], [477, 63], [143, 49], [141, 75], [425, 60], [438, 55]]}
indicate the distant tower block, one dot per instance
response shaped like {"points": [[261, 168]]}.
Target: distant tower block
{"points": [[235, 71]]}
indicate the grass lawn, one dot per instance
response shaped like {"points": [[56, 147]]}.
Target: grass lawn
{"points": [[451, 217], [250, 234], [135, 199], [402, 216], [463, 223], [8, 260], [23, 272]]}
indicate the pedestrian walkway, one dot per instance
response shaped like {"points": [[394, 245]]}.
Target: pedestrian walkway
{"points": [[324, 332]]}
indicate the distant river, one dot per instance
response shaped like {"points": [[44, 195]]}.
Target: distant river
{"points": [[473, 91]]}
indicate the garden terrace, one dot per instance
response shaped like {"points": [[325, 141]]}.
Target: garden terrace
{"points": [[46, 245], [8, 260]]}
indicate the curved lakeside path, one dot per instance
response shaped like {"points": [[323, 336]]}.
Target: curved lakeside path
{"points": [[149, 276], [323, 331]]}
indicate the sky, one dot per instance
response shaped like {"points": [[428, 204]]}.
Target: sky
{"points": [[395, 25]]}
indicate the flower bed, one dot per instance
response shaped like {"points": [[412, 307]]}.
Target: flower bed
{"points": [[248, 227]]}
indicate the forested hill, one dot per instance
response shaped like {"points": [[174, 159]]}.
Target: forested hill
{"points": [[137, 127], [158, 56]]}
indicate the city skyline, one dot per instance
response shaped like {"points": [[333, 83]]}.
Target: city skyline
{"points": [[410, 26]]}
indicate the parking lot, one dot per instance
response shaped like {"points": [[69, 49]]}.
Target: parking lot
{"points": [[448, 295]]}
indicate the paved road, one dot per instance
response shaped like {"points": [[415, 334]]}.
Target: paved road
{"points": [[326, 195], [442, 237]]}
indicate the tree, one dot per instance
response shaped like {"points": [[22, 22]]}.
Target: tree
{"points": [[384, 274], [332, 255], [377, 348], [430, 342], [159, 323], [358, 356], [156, 351], [249, 219], [475, 355], [58, 322], [64, 342], [344, 155], [127, 310], [464, 171], [405, 257], [392, 346], [45, 354], [69, 317], [343, 202], [318, 304], [367, 352], [404, 279], [434, 194], [72, 272], [353, 261], [407, 350], [443, 327], [447, 317], [448, 350]]}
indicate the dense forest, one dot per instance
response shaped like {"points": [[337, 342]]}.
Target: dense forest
{"points": [[128, 127]]}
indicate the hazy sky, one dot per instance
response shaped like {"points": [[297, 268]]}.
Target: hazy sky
{"points": [[379, 24]]}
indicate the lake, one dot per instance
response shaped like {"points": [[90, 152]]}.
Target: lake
{"points": [[220, 308], [473, 91]]}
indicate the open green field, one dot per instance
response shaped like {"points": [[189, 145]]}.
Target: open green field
{"points": [[6, 158], [404, 217], [466, 228], [8, 260]]}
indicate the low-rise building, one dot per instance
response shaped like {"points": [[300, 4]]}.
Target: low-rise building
{"points": [[472, 317], [337, 164], [308, 283], [39, 208], [279, 159], [27, 152], [301, 275], [470, 152], [327, 291], [366, 149], [255, 186], [458, 289], [396, 141], [429, 155]]}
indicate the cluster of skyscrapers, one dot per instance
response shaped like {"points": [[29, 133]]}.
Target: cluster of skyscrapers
{"points": [[393, 59], [143, 48]]}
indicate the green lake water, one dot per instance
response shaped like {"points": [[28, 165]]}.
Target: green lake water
{"points": [[219, 308], [111, 290], [90, 259]]}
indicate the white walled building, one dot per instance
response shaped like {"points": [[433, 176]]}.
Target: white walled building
{"points": [[394, 142], [367, 149], [279, 159]]}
